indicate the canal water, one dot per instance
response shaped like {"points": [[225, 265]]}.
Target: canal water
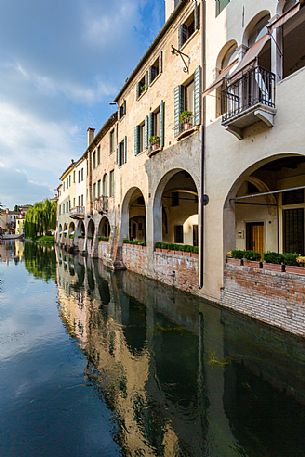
{"points": [[100, 364]]}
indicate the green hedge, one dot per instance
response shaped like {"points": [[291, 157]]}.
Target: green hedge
{"points": [[269, 257], [138, 243], [103, 238], [245, 254], [177, 247], [288, 258]]}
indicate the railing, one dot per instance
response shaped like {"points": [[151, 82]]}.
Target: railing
{"points": [[78, 211], [101, 204], [254, 86], [184, 126]]}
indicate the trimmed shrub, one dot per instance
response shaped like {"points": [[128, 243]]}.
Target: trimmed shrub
{"points": [[138, 243], [244, 254], [288, 258], [103, 238], [177, 247]]}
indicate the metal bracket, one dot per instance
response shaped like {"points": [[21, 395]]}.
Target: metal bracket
{"points": [[185, 58]]}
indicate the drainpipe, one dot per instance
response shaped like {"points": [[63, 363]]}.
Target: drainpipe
{"points": [[202, 200]]}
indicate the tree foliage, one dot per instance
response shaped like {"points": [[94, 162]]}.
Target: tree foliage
{"points": [[40, 219]]}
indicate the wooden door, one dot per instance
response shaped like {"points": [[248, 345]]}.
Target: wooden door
{"points": [[255, 236]]}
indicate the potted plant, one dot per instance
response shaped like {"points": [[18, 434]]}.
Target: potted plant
{"points": [[154, 142], [186, 119]]}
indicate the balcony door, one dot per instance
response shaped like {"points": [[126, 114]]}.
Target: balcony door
{"points": [[255, 236]]}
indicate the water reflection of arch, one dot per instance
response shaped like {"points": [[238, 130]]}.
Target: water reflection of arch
{"points": [[101, 285], [133, 319]]}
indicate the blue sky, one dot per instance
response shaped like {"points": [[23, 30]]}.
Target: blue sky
{"points": [[61, 63]]}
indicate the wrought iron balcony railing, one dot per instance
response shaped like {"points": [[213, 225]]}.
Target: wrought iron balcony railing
{"points": [[78, 212], [101, 204], [255, 86]]}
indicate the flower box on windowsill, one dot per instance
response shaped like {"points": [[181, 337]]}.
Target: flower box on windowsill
{"points": [[154, 149], [189, 131]]}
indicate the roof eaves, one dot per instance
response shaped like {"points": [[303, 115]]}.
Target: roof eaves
{"points": [[154, 44]]}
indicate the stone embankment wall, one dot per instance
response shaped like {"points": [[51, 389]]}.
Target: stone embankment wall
{"points": [[175, 268], [267, 294]]}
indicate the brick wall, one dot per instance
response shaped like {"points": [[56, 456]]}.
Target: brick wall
{"points": [[175, 268], [272, 296]]}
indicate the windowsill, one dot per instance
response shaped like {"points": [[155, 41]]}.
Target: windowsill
{"points": [[122, 117], [189, 39], [154, 80], [151, 152], [187, 132], [140, 96]]}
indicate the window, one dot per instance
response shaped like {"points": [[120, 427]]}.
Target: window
{"points": [[69, 180], [74, 202], [64, 186], [94, 159], [187, 29], [187, 104], [98, 155], [142, 85], [122, 109], [189, 97], [105, 185], [139, 138], [99, 188], [122, 152], [111, 183], [111, 141], [94, 191], [155, 69], [82, 174], [178, 234], [220, 5], [74, 175]]}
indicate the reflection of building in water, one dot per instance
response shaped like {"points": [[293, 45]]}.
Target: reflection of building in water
{"points": [[119, 335], [11, 251], [183, 382]]}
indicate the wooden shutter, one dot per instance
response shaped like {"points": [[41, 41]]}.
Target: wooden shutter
{"points": [[197, 96], [196, 16], [150, 127], [146, 133], [125, 150], [161, 124], [136, 140], [161, 61], [182, 35], [179, 103]]}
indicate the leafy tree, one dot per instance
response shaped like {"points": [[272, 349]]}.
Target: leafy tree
{"points": [[16, 208], [40, 219]]}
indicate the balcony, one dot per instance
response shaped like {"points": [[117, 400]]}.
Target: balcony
{"points": [[185, 128], [249, 99], [101, 204], [78, 212]]}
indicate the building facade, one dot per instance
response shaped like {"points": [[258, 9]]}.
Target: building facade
{"points": [[207, 150]]}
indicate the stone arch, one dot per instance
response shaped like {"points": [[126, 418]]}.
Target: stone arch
{"points": [[227, 50], [285, 5], [65, 232], [133, 215], [225, 57], [255, 22], [174, 201], [90, 231], [71, 229], [276, 172], [103, 228], [80, 229]]}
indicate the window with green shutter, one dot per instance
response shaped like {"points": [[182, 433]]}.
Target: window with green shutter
{"points": [[189, 27], [220, 5]]}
